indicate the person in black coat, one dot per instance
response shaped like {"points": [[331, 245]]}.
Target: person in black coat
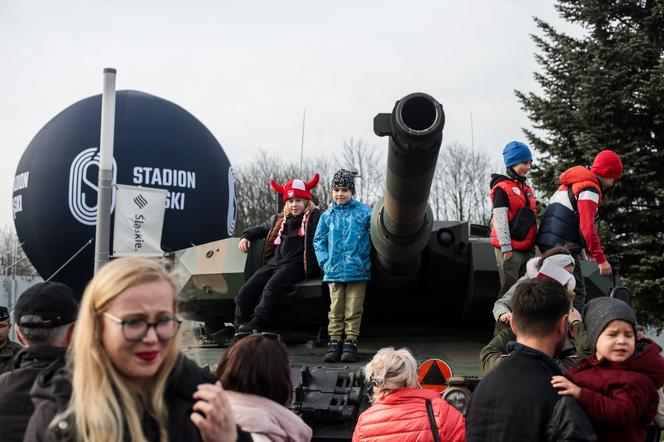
{"points": [[516, 401], [126, 378], [44, 317]]}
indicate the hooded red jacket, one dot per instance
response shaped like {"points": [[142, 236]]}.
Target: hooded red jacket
{"points": [[401, 416], [621, 398]]}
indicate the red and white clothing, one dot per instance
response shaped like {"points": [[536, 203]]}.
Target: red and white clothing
{"points": [[561, 223], [510, 195]]}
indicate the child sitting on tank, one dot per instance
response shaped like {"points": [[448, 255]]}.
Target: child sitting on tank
{"points": [[343, 245], [617, 385], [287, 256]]}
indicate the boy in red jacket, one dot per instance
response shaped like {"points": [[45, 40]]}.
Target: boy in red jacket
{"points": [[617, 386], [513, 219], [572, 215]]}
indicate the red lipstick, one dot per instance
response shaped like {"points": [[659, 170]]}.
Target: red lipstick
{"points": [[148, 355]]}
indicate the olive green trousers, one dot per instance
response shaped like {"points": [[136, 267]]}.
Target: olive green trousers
{"points": [[346, 308]]}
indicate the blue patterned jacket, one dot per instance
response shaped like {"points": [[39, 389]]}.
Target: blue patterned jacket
{"points": [[342, 242]]}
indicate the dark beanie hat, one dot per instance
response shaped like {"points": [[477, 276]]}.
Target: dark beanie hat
{"points": [[343, 178], [516, 152], [601, 311], [608, 164]]}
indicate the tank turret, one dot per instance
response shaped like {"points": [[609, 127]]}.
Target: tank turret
{"points": [[402, 220]]}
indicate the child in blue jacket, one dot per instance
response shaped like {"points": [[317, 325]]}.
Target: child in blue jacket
{"points": [[342, 246]]}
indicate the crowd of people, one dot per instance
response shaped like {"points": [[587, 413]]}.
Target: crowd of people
{"points": [[557, 368]]}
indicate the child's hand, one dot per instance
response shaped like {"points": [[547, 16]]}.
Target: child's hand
{"points": [[565, 387], [244, 245], [505, 317]]}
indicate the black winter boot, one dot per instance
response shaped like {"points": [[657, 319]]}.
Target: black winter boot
{"points": [[349, 352], [333, 352]]}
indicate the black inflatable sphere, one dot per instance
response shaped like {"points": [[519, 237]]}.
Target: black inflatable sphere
{"points": [[157, 144]]}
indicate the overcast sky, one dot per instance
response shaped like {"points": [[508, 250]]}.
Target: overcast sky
{"points": [[247, 69]]}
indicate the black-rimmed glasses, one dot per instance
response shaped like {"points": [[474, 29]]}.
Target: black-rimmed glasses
{"points": [[136, 330]]}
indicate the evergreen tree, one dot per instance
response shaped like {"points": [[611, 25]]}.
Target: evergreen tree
{"points": [[605, 89]]}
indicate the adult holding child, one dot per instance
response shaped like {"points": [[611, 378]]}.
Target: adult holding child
{"points": [[513, 217], [515, 401], [617, 385], [126, 378]]}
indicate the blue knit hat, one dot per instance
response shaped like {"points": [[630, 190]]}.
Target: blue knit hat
{"points": [[516, 152]]}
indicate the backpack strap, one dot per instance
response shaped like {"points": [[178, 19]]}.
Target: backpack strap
{"points": [[572, 200]]}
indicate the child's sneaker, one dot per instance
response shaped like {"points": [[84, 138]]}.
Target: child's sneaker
{"points": [[333, 352], [349, 352]]}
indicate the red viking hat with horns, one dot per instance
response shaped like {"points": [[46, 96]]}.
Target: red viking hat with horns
{"points": [[296, 188]]}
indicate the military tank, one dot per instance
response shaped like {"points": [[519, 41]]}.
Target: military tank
{"points": [[423, 270], [432, 290], [428, 277]]}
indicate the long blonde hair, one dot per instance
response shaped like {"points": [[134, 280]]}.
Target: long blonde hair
{"points": [[103, 402], [309, 206]]}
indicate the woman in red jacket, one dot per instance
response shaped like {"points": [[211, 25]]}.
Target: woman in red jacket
{"points": [[399, 411], [617, 386]]}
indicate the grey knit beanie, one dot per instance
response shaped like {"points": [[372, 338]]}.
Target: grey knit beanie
{"points": [[601, 311], [343, 178]]}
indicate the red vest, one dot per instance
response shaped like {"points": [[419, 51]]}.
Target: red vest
{"points": [[519, 196]]}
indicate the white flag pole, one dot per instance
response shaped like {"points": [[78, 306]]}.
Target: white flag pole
{"points": [[105, 192]]}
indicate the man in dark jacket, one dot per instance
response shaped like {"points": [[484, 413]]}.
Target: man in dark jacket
{"points": [[8, 348], [44, 316], [516, 401]]}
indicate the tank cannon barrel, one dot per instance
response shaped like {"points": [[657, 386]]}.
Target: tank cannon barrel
{"points": [[402, 220]]}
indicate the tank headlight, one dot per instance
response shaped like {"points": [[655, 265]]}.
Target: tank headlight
{"points": [[458, 397]]}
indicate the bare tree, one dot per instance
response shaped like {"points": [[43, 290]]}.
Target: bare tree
{"points": [[13, 260], [369, 163], [257, 201], [460, 187]]}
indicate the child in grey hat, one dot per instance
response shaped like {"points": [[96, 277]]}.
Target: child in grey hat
{"points": [[617, 386], [343, 245]]}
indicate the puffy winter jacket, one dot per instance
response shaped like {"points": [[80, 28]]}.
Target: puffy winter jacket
{"points": [[402, 416], [561, 224], [621, 397], [342, 242]]}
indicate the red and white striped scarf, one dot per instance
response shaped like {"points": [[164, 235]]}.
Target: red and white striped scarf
{"points": [[300, 232]]}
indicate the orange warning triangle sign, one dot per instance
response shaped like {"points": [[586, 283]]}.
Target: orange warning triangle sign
{"points": [[433, 374]]}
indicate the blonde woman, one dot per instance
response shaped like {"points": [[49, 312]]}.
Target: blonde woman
{"points": [[126, 379], [399, 410], [288, 254]]}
